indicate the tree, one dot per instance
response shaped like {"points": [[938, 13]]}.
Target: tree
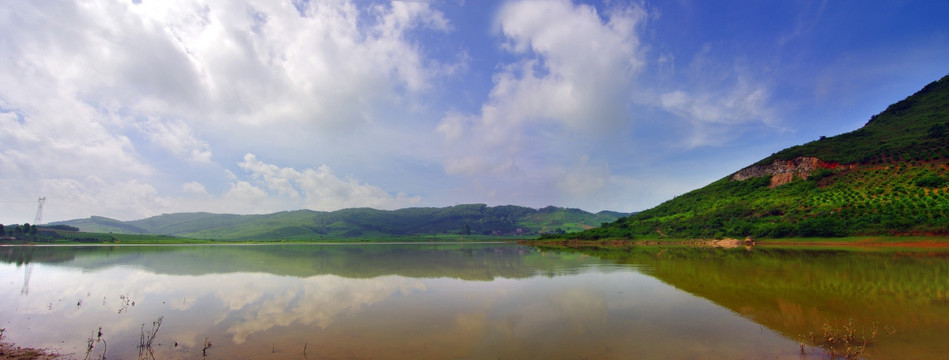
{"points": [[2, 231], [937, 131], [823, 226], [466, 230], [931, 181]]}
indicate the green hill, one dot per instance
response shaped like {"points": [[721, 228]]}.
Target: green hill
{"points": [[889, 177], [101, 224], [465, 220], [915, 128]]}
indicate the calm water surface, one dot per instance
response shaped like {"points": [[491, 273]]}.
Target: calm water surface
{"points": [[468, 301]]}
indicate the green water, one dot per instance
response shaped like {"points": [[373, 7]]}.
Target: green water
{"points": [[470, 301]]}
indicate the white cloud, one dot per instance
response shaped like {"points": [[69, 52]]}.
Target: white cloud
{"points": [[581, 68], [121, 199], [194, 187], [62, 139], [454, 125], [571, 83], [575, 71], [263, 62], [244, 198], [263, 188], [714, 112], [61, 152], [276, 178], [177, 137], [81, 83], [320, 189]]}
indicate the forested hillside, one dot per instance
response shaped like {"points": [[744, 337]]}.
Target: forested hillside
{"points": [[471, 220], [889, 177]]}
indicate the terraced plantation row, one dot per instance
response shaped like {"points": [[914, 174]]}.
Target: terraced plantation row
{"points": [[868, 200]]}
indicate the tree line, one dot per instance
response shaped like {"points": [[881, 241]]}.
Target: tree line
{"points": [[32, 231], [18, 230]]}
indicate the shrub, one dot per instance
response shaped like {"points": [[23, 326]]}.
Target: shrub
{"points": [[823, 226], [931, 181], [820, 174]]}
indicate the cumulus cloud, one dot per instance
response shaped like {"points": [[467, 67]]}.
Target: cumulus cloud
{"points": [[62, 139], [264, 62], [177, 137], [82, 84], [714, 112], [62, 153], [575, 70], [127, 200], [570, 83], [319, 189], [581, 68], [194, 187]]}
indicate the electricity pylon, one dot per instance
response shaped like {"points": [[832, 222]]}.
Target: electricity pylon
{"points": [[39, 212]]}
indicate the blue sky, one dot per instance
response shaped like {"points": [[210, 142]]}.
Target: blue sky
{"points": [[132, 109]]}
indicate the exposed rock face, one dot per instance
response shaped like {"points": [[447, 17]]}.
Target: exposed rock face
{"points": [[783, 171], [781, 179]]}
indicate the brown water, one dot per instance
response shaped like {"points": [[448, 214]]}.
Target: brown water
{"points": [[469, 301]]}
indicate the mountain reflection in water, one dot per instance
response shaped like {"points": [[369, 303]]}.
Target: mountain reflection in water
{"points": [[464, 301]]}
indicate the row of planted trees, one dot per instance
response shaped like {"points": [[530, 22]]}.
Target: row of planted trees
{"points": [[17, 230], [897, 199], [43, 233]]}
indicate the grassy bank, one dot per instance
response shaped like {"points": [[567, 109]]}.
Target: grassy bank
{"points": [[854, 242]]}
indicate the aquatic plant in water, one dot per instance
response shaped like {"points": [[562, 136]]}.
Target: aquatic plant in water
{"points": [[847, 341]]}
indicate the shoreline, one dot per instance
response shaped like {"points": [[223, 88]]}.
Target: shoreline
{"points": [[619, 243], [915, 242], [258, 243], [9, 351]]}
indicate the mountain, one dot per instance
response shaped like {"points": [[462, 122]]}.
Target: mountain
{"points": [[471, 219], [102, 224], [889, 177]]}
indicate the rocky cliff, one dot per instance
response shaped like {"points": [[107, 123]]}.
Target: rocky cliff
{"points": [[783, 171]]}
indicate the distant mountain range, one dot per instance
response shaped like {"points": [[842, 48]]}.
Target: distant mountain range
{"points": [[470, 220], [889, 177]]}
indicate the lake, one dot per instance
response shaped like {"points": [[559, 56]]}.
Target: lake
{"points": [[470, 301]]}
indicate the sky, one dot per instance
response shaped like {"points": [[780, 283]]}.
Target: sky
{"points": [[131, 109]]}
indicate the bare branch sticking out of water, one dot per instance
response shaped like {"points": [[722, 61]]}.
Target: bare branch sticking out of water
{"points": [[207, 345], [91, 344], [145, 341]]}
